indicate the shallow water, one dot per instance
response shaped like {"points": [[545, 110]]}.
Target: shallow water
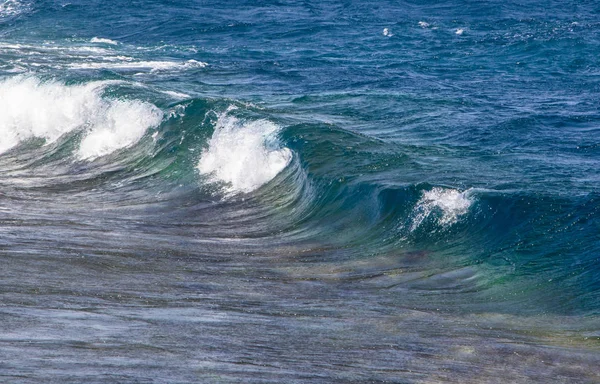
{"points": [[299, 192]]}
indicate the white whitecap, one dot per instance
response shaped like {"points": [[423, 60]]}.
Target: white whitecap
{"points": [[97, 51], [122, 124], [12, 7], [130, 64], [449, 204], [177, 95], [101, 40], [243, 154], [12, 46], [32, 108]]}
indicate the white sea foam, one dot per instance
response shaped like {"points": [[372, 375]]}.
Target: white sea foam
{"points": [[11, 7], [121, 125], [103, 41], [177, 95], [12, 46], [243, 154], [99, 52], [32, 108], [152, 66], [91, 57], [450, 205]]}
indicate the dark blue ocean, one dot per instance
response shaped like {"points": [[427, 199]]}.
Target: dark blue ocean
{"points": [[299, 191]]}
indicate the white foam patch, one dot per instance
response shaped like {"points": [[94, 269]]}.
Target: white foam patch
{"points": [[35, 109], [242, 154], [177, 95], [152, 66], [99, 54], [79, 51], [122, 124], [450, 205], [11, 7], [101, 40], [12, 46]]}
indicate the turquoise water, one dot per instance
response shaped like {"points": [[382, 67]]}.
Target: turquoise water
{"points": [[299, 191]]}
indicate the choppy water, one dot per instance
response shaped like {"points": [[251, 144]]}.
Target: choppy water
{"points": [[282, 191]]}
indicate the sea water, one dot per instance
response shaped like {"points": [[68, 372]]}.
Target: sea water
{"points": [[285, 191]]}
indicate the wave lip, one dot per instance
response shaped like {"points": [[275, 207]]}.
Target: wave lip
{"points": [[48, 110], [244, 155]]}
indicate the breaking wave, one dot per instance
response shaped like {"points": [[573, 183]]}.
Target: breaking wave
{"points": [[50, 109], [243, 154], [448, 205]]}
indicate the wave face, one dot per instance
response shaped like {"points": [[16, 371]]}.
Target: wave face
{"points": [[299, 192]]}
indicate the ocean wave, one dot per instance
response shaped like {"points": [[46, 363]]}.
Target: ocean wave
{"points": [[243, 154], [50, 109], [121, 125]]}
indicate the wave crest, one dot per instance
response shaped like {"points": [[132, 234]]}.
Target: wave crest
{"points": [[48, 110], [449, 203], [243, 154]]}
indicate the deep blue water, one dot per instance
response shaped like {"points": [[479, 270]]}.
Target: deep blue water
{"points": [[299, 191]]}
